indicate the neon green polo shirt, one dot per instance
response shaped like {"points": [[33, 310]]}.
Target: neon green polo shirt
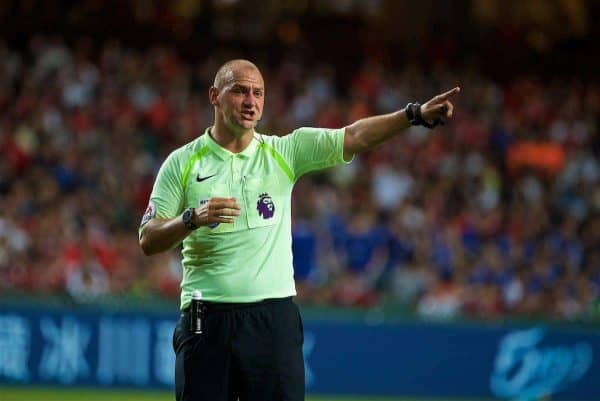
{"points": [[250, 259]]}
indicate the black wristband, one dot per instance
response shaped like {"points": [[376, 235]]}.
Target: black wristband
{"points": [[413, 114]]}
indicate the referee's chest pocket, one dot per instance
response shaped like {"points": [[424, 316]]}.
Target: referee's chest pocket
{"points": [[262, 201]]}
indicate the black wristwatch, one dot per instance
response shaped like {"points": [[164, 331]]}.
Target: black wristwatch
{"points": [[187, 216], [414, 117]]}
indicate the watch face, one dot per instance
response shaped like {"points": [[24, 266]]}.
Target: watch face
{"points": [[187, 219]]}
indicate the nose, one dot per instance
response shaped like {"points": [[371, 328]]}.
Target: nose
{"points": [[249, 100]]}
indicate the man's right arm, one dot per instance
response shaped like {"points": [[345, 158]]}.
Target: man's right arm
{"points": [[159, 235]]}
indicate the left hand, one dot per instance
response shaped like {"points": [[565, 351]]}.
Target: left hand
{"points": [[439, 107]]}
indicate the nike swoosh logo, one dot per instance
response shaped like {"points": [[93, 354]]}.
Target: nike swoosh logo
{"points": [[200, 179]]}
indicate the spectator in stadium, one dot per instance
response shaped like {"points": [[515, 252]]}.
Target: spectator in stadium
{"points": [[363, 256], [226, 195]]}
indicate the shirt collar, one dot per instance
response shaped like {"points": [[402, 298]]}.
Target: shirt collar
{"points": [[225, 154]]}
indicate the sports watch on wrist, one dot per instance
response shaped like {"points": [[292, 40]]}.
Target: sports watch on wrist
{"points": [[187, 216], [412, 110], [414, 117]]}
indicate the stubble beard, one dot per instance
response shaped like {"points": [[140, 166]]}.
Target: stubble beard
{"points": [[238, 127]]}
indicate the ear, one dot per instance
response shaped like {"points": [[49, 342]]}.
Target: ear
{"points": [[213, 95]]}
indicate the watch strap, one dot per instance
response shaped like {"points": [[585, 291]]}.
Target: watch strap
{"points": [[186, 217], [414, 117]]}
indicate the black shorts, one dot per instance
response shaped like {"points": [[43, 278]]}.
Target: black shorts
{"points": [[248, 351]]}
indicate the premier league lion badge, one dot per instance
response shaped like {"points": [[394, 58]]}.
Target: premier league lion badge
{"points": [[265, 206]]}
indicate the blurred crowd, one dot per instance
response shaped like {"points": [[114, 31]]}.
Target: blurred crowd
{"points": [[496, 214]]}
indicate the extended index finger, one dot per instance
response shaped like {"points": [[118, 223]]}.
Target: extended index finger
{"points": [[451, 92]]}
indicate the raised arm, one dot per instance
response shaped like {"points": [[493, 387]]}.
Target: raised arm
{"points": [[367, 133]]}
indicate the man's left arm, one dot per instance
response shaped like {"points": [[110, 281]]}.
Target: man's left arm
{"points": [[369, 132]]}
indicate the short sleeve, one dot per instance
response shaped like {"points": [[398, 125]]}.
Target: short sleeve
{"points": [[310, 149], [167, 194]]}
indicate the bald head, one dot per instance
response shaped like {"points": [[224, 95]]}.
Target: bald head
{"points": [[226, 74]]}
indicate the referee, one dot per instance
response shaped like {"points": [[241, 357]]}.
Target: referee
{"points": [[226, 196]]}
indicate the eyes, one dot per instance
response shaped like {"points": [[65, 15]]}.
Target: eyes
{"points": [[244, 90]]}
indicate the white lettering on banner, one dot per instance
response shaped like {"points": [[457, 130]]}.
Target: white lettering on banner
{"points": [[63, 357], [527, 372], [307, 348], [15, 342], [123, 351], [164, 357]]}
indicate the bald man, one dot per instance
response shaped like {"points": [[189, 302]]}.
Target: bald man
{"points": [[226, 196]]}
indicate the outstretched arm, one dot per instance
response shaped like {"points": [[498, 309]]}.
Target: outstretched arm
{"points": [[369, 132]]}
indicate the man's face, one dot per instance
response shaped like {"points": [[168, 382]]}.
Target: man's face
{"points": [[241, 99]]}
